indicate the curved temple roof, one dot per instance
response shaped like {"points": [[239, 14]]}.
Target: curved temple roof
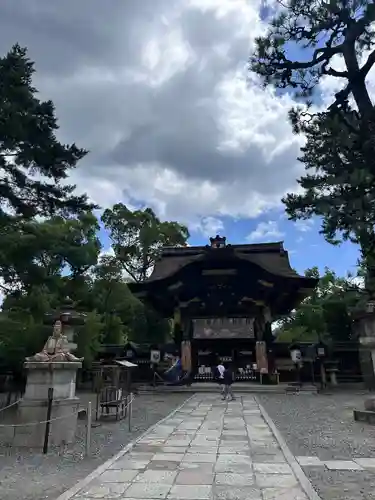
{"points": [[271, 257], [264, 275]]}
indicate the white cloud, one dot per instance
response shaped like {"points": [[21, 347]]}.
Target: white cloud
{"points": [[159, 93], [209, 226], [107, 252], [266, 231], [304, 225], [358, 281]]}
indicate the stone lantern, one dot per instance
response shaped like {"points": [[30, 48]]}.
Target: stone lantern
{"points": [[70, 319], [364, 329]]}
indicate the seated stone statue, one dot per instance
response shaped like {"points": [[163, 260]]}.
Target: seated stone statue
{"points": [[56, 348]]}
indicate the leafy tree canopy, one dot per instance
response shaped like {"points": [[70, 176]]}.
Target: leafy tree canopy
{"points": [[49, 243], [138, 236], [325, 31], [338, 185], [39, 253], [33, 163], [325, 315], [339, 154]]}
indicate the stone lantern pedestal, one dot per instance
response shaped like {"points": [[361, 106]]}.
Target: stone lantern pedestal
{"points": [[61, 377], [364, 327]]}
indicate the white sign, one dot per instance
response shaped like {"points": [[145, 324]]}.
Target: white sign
{"points": [[155, 356]]}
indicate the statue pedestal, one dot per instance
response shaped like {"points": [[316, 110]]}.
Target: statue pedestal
{"points": [[61, 376], [365, 329]]}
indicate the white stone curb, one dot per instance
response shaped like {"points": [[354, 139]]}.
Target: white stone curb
{"points": [[295, 466], [67, 495]]}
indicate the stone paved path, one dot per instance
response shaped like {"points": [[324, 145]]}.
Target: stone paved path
{"points": [[207, 450]]}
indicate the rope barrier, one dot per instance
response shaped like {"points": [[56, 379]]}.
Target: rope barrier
{"points": [[12, 404], [27, 424]]}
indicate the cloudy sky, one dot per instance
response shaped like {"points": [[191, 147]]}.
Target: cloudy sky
{"points": [[159, 93]]}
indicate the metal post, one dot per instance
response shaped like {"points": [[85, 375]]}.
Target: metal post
{"points": [[130, 410], [48, 423], [88, 429]]}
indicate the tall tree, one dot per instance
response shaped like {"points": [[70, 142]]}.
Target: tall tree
{"points": [[339, 154], [325, 315], [123, 315], [338, 185], [325, 31], [33, 163], [138, 237]]}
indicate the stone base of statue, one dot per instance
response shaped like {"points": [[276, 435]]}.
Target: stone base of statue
{"points": [[364, 327], [61, 377], [365, 330]]}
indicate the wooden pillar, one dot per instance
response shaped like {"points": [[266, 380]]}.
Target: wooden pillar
{"points": [[177, 326], [186, 325], [263, 335]]}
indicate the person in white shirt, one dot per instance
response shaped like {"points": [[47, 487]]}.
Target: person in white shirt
{"points": [[220, 374]]}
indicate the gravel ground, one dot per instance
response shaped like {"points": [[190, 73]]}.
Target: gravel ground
{"points": [[323, 426], [25, 475]]}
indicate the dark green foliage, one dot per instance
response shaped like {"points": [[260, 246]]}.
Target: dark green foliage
{"points": [[339, 182], [32, 161], [325, 314], [36, 253], [113, 299], [89, 337], [324, 30], [339, 154], [20, 336], [49, 244], [138, 236]]}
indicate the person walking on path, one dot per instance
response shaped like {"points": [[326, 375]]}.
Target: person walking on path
{"points": [[228, 381], [220, 370]]}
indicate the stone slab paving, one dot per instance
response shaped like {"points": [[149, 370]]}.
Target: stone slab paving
{"points": [[27, 475], [356, 464], [208, 450]]}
